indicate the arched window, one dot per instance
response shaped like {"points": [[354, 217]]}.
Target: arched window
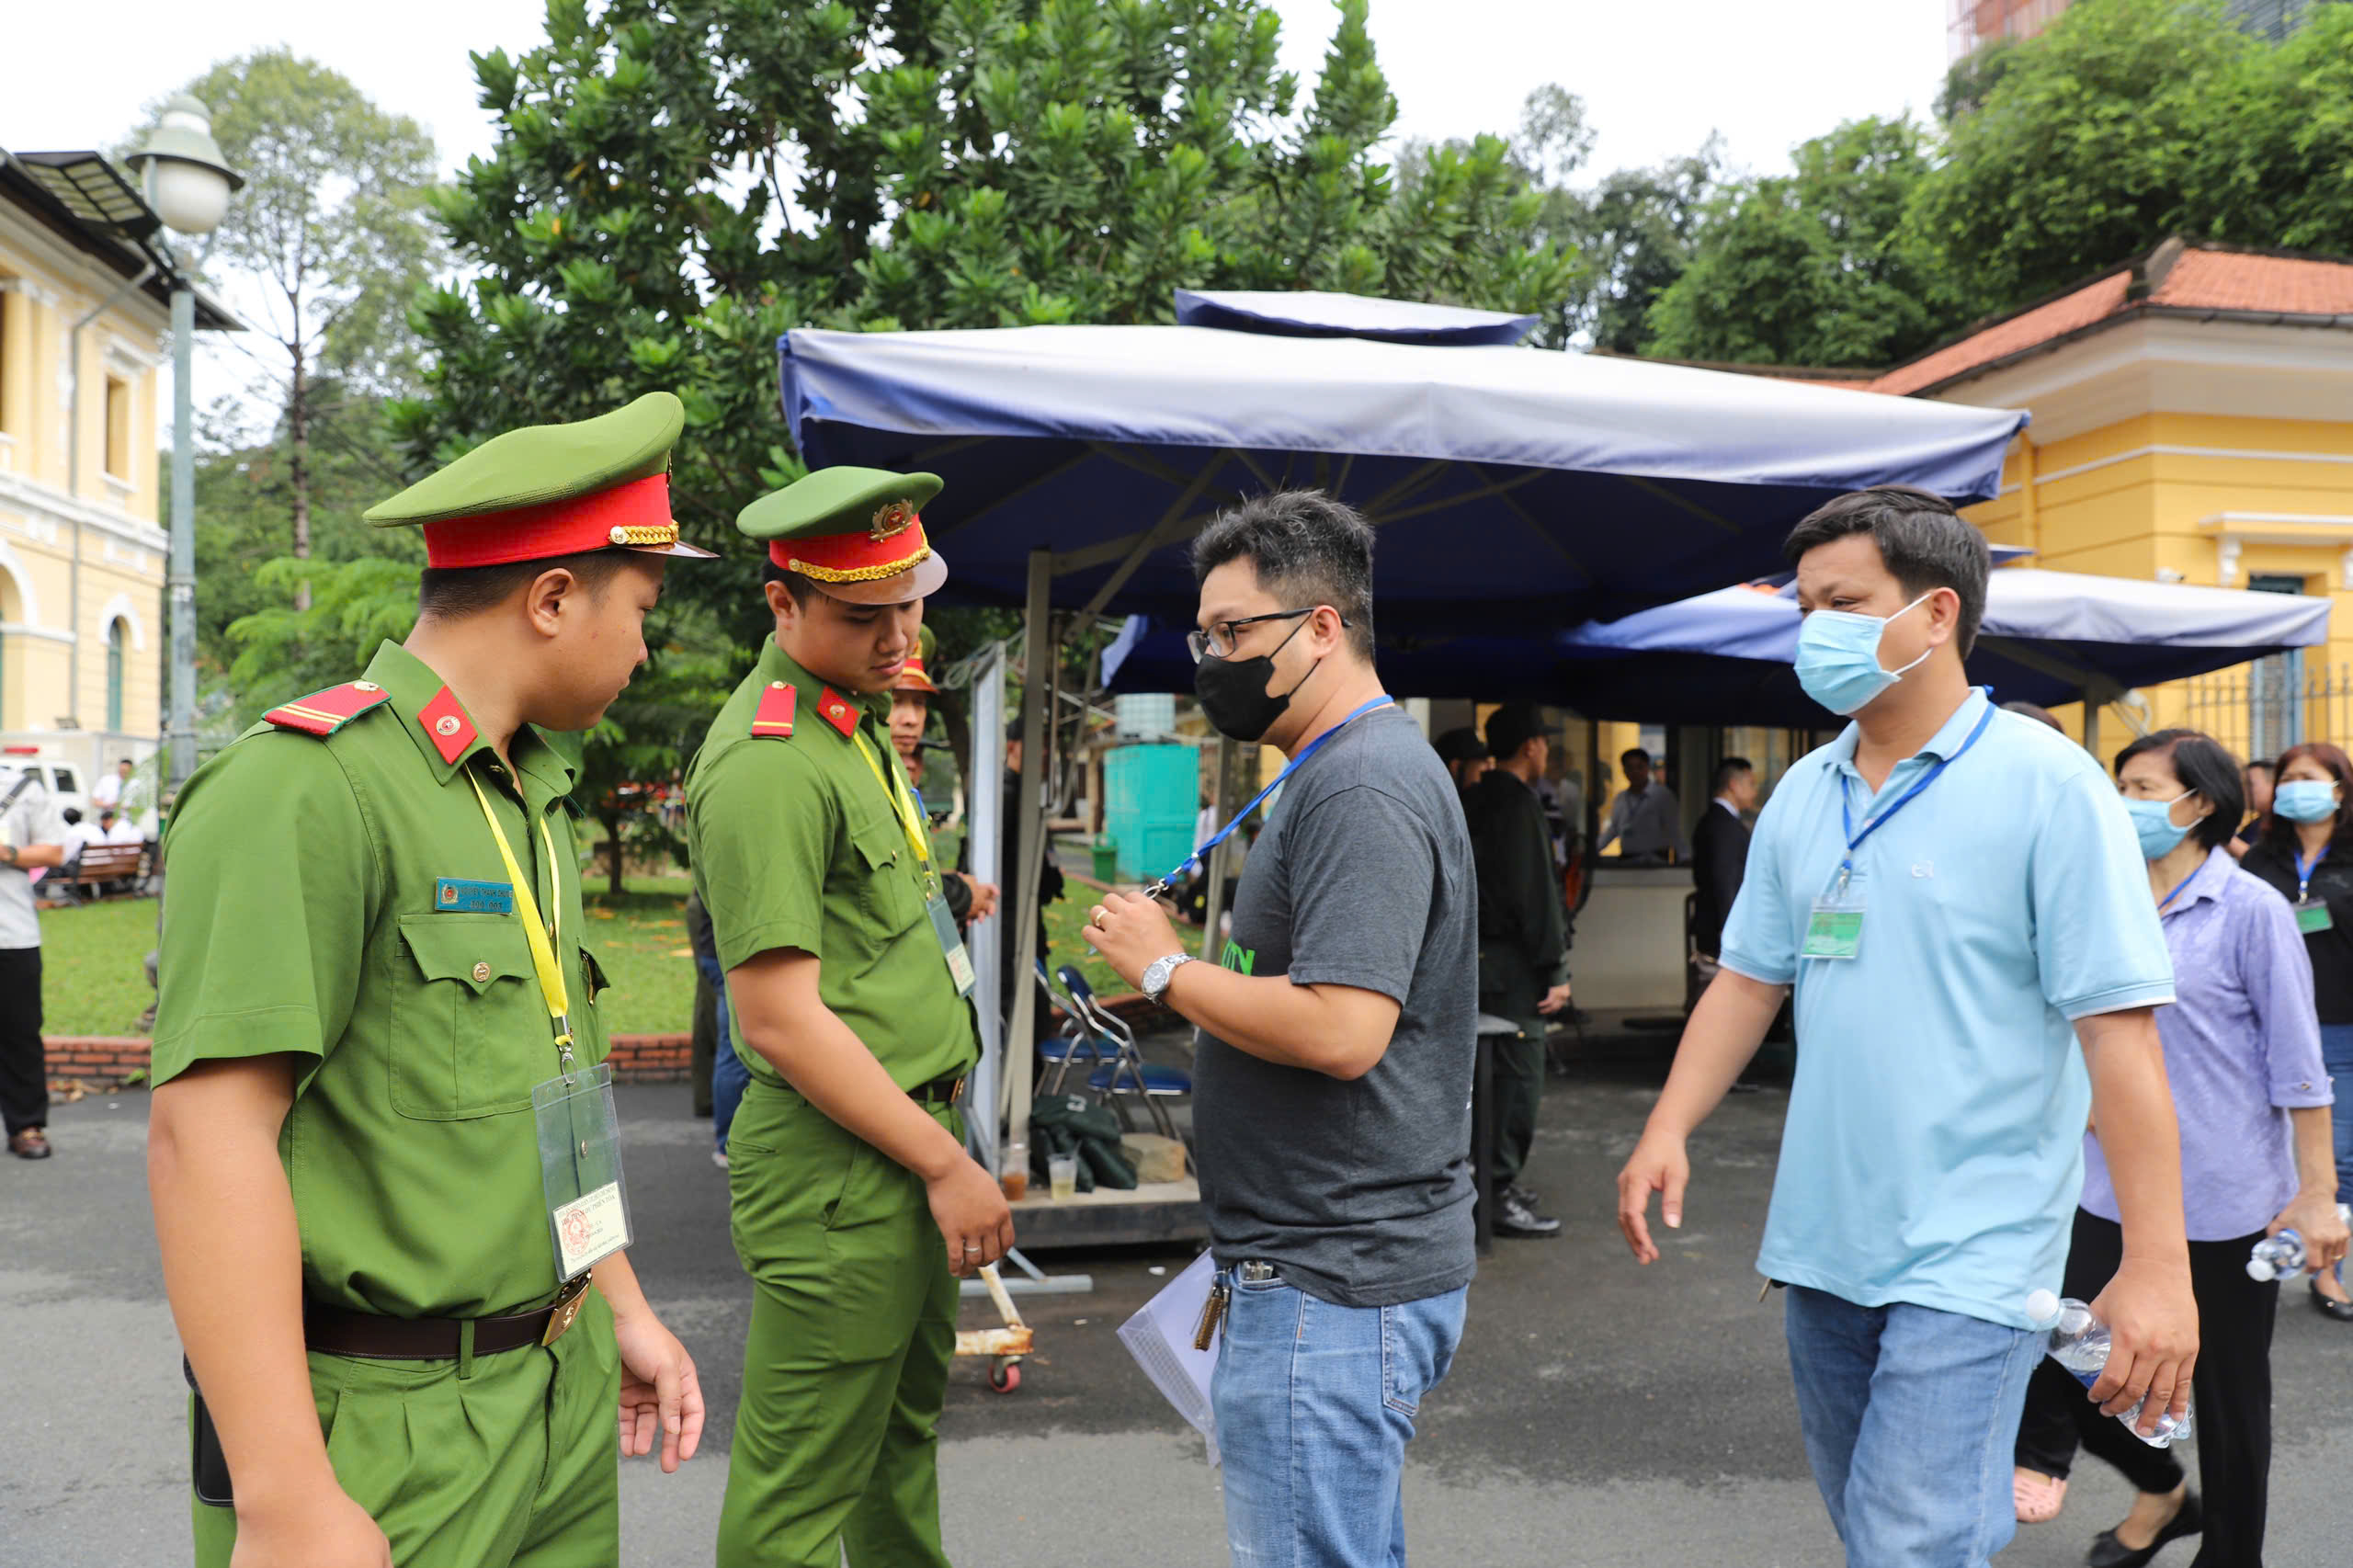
{"points": [[116, 631]]}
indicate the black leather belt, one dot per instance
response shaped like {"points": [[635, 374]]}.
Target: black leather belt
{"points": [[946, 1089], [364, 1335]]}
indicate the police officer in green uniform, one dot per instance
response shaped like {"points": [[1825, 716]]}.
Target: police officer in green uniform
{"points": [[371, 969], [855, 1205]]}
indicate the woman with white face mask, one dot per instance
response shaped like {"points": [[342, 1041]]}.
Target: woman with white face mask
{"points": [[2243, 1058], [2307, 853]]}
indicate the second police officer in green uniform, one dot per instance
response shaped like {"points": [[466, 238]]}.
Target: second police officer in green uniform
{"points": [[377, 1048], [855, 1205]]}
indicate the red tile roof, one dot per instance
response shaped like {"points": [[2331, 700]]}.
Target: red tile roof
{"points": [[2185, 280]]}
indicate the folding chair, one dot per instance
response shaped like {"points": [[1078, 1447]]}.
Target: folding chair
{"points": [[1073, 1042], [1126, 1072]]}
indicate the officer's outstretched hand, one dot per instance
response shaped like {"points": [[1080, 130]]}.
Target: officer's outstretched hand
{"points": [[660, 1393], [974, 1217], [320, 1528]]}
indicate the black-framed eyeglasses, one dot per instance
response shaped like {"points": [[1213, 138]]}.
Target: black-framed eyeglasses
{"points": [[1220, 641]]}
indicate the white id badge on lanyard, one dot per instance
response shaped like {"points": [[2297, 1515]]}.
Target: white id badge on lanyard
{"points": [[1834, 928], [579, 1127], [959, 959], [580, 1165]]}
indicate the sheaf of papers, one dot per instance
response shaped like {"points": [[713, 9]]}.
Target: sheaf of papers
{"points": [[1160, 1337]]}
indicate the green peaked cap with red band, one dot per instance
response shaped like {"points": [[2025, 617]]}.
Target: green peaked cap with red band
{"points": [[548, 489], [856, 532]]}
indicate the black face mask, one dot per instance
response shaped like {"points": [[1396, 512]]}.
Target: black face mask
{"points": [[1234, 696]]}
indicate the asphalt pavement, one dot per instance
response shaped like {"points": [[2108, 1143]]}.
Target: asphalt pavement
{"points": [[1598, 1414]]}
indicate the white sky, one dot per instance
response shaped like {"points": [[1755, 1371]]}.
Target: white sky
{"points": [[1657, 75]]}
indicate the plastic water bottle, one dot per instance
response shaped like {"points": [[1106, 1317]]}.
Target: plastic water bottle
{"points": [[2078, 1342], [2281, 1256]]}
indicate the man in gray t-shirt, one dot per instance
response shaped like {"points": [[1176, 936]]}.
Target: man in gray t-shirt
{"points": [[32, 834], [1332, 1086]]}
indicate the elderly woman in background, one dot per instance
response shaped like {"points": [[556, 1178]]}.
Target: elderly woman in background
{"points": [[2307, 853], [2242, 1057]]}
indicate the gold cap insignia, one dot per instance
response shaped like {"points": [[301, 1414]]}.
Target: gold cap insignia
{"points": [[895, 518]]}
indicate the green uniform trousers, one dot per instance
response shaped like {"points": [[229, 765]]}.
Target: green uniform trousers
{"points": [[846, 1365], [516, 1464], [1509, 989]]}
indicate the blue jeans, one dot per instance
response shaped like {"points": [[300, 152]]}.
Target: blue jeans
{"points": [[1910, 1416], [728, 1074], [1315, 1404], [2336, 1055]]}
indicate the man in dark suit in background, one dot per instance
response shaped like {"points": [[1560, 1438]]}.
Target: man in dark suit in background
{"points": [[1720, 852]]}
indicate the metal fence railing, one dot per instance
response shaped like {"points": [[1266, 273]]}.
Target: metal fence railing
{"points": [[2261, 709]]}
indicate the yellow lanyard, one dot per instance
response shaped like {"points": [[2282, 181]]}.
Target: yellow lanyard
{"points": [[900, 806], [542, 937]]}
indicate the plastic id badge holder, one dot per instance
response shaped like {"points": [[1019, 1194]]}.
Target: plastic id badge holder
{"points": [[580, 1162], [2311, 915], [951, 945], [1833, 928]]}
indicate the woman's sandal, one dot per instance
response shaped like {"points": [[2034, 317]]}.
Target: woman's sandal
{"points": [[30, 1145]]}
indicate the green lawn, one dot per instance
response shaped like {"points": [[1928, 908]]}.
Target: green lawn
{"points": [[95, 980]]}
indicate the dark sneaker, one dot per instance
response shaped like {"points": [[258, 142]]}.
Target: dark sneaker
{"points": [[1513, 1218], [1525, 1196]]}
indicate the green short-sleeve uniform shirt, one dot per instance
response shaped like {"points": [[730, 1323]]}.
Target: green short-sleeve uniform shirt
{"points": [[339, 897], [797, 844]]}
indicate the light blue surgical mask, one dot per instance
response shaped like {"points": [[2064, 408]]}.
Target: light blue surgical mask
{"points": [[1838, 660], [2153, 820], [2305, 800]]}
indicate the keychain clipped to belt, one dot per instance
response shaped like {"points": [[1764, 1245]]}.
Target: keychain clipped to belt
{"points": [[579, 1127]]}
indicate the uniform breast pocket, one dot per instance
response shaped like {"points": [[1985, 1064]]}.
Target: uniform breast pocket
{"points": [[887, 890], [470, 1031]]}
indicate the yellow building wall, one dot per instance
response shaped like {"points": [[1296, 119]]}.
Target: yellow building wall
{"points": [[2140, 497], [79, 548]]}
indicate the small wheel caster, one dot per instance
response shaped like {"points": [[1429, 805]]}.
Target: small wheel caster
{"points": [[1005, 1376]]}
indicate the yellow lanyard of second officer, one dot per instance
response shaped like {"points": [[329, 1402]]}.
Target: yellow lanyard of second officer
{"points": [[943, 925], [541, 935]]}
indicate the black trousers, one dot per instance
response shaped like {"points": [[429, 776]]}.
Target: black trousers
{"points": [[2231, 1390], [24, 1066]]}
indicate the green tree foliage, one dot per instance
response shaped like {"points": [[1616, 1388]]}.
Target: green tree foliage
{"points": [[1813, 267], [2086, 150], [1637, 231], [326, 238], [676, 183]]}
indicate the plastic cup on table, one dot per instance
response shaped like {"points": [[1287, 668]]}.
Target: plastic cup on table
{"points": [[1013, 1172], [1062, 1171]]}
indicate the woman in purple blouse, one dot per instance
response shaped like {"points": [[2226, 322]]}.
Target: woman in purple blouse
{"points": [[2241, 1046]]}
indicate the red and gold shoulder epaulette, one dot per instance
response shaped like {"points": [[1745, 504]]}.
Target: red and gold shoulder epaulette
{"points": [[774, 716], [324, 712]]}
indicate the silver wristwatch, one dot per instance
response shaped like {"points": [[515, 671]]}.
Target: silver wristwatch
{"points": [[1156, 973]]}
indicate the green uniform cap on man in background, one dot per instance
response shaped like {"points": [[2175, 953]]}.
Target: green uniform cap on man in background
{"points": [[551, 490], [856, 532]]}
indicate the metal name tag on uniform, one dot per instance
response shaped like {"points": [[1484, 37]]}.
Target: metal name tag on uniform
{"points": [[960, 960], [580, 1164], [2312, 916], [455, 895]]}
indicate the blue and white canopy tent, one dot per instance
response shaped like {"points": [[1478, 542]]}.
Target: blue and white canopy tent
{"points": [[1515, 491], [1724, 657]]}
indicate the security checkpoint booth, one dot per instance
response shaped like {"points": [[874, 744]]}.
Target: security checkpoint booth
{"points": [[1515, 492]]}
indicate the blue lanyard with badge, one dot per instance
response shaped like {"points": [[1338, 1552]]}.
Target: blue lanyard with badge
{"points": [[579, 1128], [943, 924], [2311, 914], [1168, 884], [1834, 927]]}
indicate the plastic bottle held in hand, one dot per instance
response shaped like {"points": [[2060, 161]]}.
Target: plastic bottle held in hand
{"points": [[2078, 1342], [2281, 1256]]}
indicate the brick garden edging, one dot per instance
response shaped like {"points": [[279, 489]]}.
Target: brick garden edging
{"points": [[112, 1058]]}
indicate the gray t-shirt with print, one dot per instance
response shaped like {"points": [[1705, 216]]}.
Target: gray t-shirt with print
{"points": [[1359, 1192]]}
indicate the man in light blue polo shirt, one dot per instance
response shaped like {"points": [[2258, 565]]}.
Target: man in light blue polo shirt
{"points": [[1960, 902]]}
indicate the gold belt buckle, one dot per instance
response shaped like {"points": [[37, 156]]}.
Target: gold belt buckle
{"points": [[564, 1309], [956, 1091]]}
